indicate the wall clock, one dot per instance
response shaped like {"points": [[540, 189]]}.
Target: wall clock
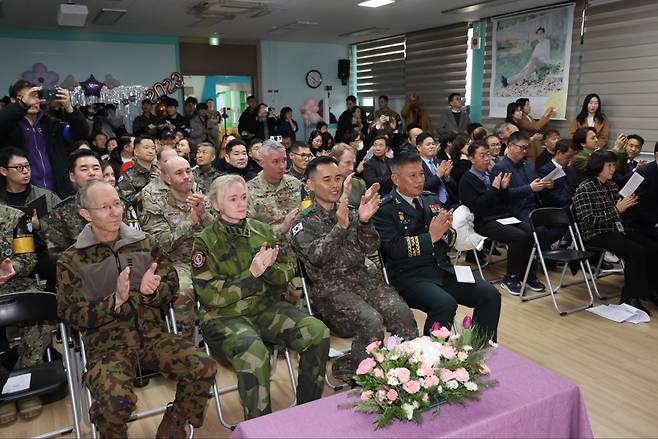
{"points": [[313, 78]]}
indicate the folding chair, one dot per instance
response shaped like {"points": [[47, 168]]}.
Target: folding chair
{"points": [[36, 306], [553, 216], [86, 397], [306, 290], [218, 391]]}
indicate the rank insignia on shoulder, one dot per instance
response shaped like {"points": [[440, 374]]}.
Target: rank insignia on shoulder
{"points": [[198, 259], [401, 214], [297, 228]]}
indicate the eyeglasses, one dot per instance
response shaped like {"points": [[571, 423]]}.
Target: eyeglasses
{"points": [[520, 146], [107, 208], [304, 156], [20, 168]]}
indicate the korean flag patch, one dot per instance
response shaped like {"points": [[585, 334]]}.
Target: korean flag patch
{"points": [[297, 228]]}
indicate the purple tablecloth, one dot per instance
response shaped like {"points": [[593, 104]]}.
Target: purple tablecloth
{"points": [[529, 401]]}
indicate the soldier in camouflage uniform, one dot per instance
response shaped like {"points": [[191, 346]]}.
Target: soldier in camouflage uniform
{"points": [[65, 222], [333, 240], [152, 193], [16, 274], [274, 197], [204, 173], [112, 284], [239, 280], [133, 179], [177, 218]]}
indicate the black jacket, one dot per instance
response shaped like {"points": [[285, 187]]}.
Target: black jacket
{"points": [[259, 126], [563, 190], [11, 134], [486, 203], [378, 171], [644, 215]]}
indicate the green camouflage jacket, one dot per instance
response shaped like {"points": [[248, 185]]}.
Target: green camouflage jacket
{"points": [[86, 283], [23, 263], [221, 258], [204, 179], [133, 180]]}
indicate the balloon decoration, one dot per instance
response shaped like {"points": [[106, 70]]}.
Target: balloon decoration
{"points": [[40, 75], [310, 111], [165, 87], [91, 86], [69, 83], [110, 82], [120, 95]]}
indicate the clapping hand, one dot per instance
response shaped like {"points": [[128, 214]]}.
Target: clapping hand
{"points": [[369, 203], [6, 271], [444, 168], [505, 181], [265, 258], [198, 213], [287, 221], [347, 187], [440, 225], [123, 288], [150, 281]]}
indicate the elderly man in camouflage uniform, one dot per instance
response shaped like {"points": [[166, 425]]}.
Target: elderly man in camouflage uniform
{"points": [[65, 222], [175, 220], [239, 275], [133, 179], [332, 241], [153, 192], [112, 285], [204, 173], [16, 274]]}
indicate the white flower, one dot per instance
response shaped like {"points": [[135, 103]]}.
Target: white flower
{"points": [[426, 347], [439, 389], [393, 355], [454, 337], [408, 410], [493, 344], [471, 386], [467, 348], [392, 377], [452, 384]]}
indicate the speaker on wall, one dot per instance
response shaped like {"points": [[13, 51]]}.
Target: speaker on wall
{"points": [[344, 70]]}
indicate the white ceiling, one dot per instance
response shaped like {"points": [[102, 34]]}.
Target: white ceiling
{"points": [[333, 17]]}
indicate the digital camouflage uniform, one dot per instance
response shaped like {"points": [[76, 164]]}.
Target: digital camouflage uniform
{"points": [[116, 341], [133, 180], [35, 338], [169, 223], [204, 179], [240, 313], [351, 301], [270, 204], [65, 223]]}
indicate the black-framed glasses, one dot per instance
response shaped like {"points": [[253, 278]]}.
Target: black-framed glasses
{"points": [[520, 146], [20, 168], [304, 155]]}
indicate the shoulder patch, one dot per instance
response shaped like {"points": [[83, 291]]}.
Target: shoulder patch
{"points": [[198, 259], [122, 177], [297, 228], [387, 199]]}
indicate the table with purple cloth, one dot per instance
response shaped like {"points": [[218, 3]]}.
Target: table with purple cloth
{"points": [[528, 401]]}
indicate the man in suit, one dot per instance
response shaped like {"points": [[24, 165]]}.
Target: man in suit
{"points": [[565, 187], [628, 164], [644, 215], [437, 172], [415, 236], [455, 118]]}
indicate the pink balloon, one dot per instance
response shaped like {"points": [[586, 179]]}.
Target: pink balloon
{"points": [[315, 118]]}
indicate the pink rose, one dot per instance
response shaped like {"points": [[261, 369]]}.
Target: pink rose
{"points": [[365, 366], [447, 351], [441, 333], [436, 326], [431, 381], [462, 355], [462, 375], [379, 373], [445, 374], [425, 370], [379, 357], [403, 374], [372, 346], [366, 395], [392, 395], [411, 387]]}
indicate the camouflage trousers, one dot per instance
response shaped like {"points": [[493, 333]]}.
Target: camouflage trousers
{"points": [[185, 305], [361, 306], [242, 340], [110, 380]]}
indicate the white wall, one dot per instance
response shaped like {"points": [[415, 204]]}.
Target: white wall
{"points": [[284, 66]]}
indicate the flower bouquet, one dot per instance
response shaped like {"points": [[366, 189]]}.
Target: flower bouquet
{"points": [[403, 378]]}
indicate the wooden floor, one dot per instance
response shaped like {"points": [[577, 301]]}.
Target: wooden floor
{"points": [[614, 364]]}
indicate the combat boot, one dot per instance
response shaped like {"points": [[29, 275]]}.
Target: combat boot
{"points": [[173, 425], [7, 413], [29, 407]]}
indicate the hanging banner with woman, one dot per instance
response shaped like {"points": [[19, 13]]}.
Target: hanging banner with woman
{"points": [[531, 56]]}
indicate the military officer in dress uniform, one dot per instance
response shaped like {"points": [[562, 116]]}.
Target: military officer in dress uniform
{"points": [[415, 235]]}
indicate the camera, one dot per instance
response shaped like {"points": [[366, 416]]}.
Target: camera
{"points": [[223, 114], [49, 94]]}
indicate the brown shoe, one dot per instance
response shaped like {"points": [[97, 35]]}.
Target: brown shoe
{"points": [[173, 425]]}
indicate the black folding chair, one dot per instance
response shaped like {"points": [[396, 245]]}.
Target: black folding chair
{"points": [[554, 216], [32, 307]]}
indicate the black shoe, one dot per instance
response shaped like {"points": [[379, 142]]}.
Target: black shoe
{"points": [[636, 303], [654, 299], [470, 257]]}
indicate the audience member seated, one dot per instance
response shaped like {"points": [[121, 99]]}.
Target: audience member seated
{"points": [[333, 241], [237, 160], [459, 156], [416, 235], [25, 126], [253, 150], [488, 199], [527, 123], [409, 145], [123, 153], [108, 173], [315, 141], [644, 216], [494, 143], [437, 173], [346, 159], [627, 159], [584, 140], [239, 275], [204, 173], [503, 131], [133, 179], [378, 168], [561, 194], [454, 118], [599, 209], [112, 285], [300, 156], [591, 115], [551, 137], [156, 189]]}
